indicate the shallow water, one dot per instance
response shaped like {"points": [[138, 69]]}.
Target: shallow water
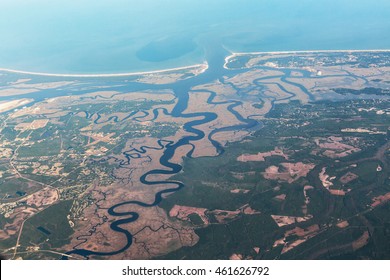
{"points": [[115, 36]]}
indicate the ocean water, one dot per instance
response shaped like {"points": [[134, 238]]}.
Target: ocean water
{"points": [[114, 36]]}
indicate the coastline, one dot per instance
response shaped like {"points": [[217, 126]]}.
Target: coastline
{"points": [[204, 66], [235, 54]]}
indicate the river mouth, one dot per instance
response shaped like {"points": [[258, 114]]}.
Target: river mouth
{"points": [[217, 71], [236, 94], [121, 38], [207, 57]]}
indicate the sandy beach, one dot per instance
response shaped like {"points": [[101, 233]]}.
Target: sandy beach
{"points": [[203, 66]]}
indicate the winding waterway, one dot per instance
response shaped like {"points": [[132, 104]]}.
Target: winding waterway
{"points": [[216, 60], [182, 90], [215, 54]]}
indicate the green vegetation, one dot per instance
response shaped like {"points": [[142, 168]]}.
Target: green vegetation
{"points": [[325, 168], [12, 188], [45, 147], [209, 181], [54, 222], [195, 219], [237, 237]]}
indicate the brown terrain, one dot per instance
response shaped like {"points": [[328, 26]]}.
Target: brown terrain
{"points": [[262, 156], [288, 172], [156, 232]]}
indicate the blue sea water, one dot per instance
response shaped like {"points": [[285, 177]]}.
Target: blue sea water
{"points": [[113, 36]]}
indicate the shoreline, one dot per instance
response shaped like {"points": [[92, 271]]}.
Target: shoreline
{"points": [[204, 66], [235, 54]]}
